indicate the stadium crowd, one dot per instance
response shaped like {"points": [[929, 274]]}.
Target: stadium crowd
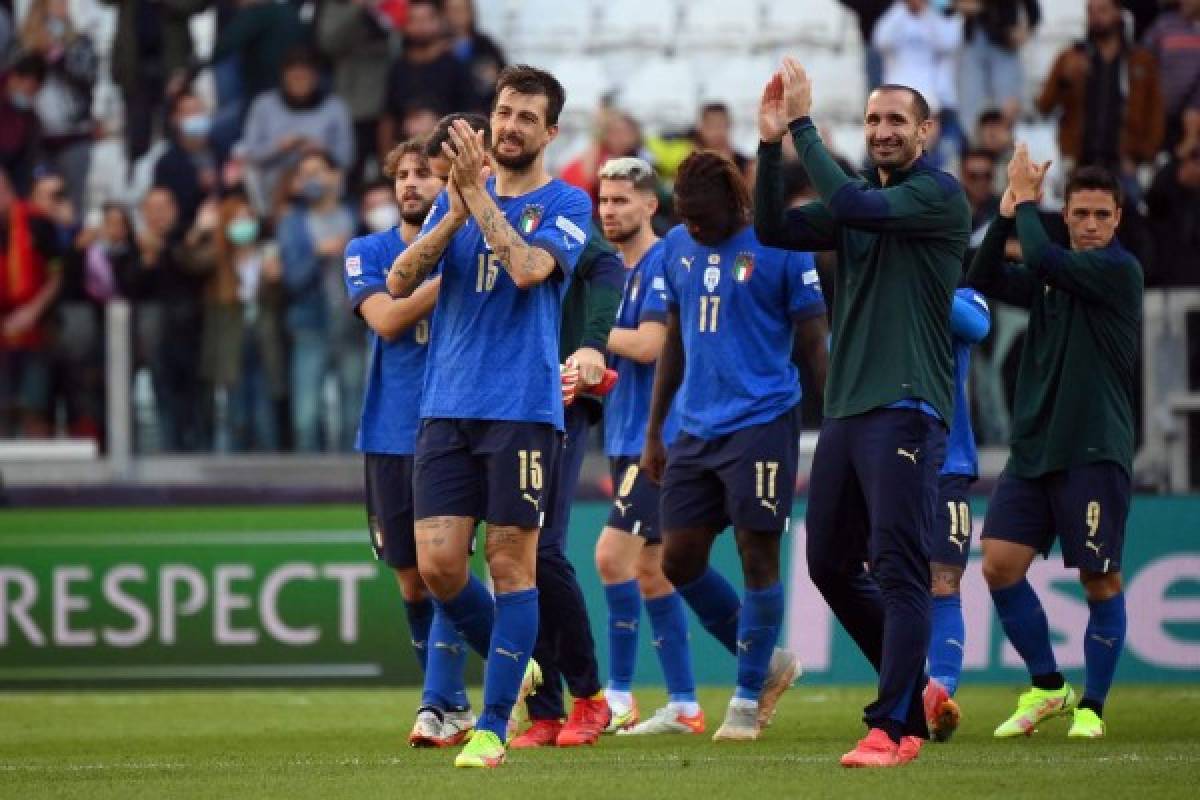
{"points": [[231, 253]]}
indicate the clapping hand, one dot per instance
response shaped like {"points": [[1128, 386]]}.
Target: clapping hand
{"points": [[1025, 177]]}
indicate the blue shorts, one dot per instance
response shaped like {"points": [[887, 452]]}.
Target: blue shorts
{"points": [[951, 543], [635, 500], [1085, 507], [496, 471], [746, 478], [390, 508]]}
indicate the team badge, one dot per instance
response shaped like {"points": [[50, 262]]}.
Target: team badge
{"points": [[712, 276], [743, 265], [530, 217], [354, 266], [714, 258]]}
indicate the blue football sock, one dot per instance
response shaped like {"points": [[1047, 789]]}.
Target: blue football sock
{"points": [[513, 637], [947, 640], [624, 613], [472, 611], [758, 633], [668, 619], [1025, 624], [420, 617], [445, 685], [716, 604], [1102, 646]]}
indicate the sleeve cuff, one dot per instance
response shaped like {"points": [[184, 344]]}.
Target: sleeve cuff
{"points": [[653, 316], [770, 149], [558, 255], [594, 343], [805, 313], [359, 297], [800, 124]]}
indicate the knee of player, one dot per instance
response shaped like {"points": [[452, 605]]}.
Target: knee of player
{"points": [[652, 582], [998, 573], [412, 586], [682, 568], [442, 575], [1100, 586], [510, 573], [611, 567]]}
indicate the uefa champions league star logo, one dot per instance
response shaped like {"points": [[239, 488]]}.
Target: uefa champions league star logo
{"points": [[712, 276]]}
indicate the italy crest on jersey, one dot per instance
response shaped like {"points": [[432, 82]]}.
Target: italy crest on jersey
{"points": [[743, 265], [530, 218], [712, 276]]}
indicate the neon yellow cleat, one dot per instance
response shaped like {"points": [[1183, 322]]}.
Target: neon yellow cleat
{"points": [[1034, 707], [519, 715], [625, 720], [484, 751], [1086, 725]]}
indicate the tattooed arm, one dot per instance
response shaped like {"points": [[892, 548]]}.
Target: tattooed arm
{"points": [[527, 265], [413, 265]]}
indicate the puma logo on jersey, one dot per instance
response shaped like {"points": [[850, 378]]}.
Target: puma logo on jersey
{"points": [[770, 505], [1106, 642], [900, 451], [744, 646], [622, 507], [536, 502], [500, 651], [687, 262], [627, 624], [1093, 546]]}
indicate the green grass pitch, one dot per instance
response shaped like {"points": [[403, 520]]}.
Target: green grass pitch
{"points": [[351, 743]]}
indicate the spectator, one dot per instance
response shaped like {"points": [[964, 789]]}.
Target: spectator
{"points": [[1174, 40], [920, 47], [1173, 201], [243, 355], [978, 178], [427, 73], [30, 282], [714, 131], [994, 135], [618, 134], [260, 34], [48, 199], [989, 72], [1145, 12], [869, 12], [20, 131], [324, 336], [299, 116], [478, 51], [64, 104], [165, 281], [1108, 93], [6, 33], [151, 51], [418, 120], [189, 166], [379, 210], [357, 43]]}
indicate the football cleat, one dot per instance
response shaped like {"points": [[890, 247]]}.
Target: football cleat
{"points": [[542, 733], [941, 712], [666, 720], [782, 672], [457, 726], [1034, 707], [910, 748], [483, 751], [624, 720], [740, 725], [876, 749], [427, 729], [1086, 724], [588, 718], [529, 684]]}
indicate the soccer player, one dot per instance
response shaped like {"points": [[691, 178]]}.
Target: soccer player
{"points": [[900, 231], [970, 321], [732, 308], [565, 649], [1068, 472], [439, 162], [629, 551], [399, 334], [492, 410]]}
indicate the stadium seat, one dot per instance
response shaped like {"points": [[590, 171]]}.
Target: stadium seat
{"points": [[718, 24], [839, 82], [821, 22], [494, 18], [637, 24], [552, 26], [586, 83], [736, 81], [662, 92]]}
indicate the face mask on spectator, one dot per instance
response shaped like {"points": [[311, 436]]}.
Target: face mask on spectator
{"points": [[312, 190], [382, 218], [56, 28], [195, 126], [242, 231]]}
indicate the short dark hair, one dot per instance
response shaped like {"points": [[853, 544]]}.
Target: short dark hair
{"points": [[391, 161], [30, 65], [441, 131], [992, 116], [524, 79], [977, 152], [376, 184], [300, 56], [919, 103], [1093, 177], [711, 196], [319, 153], [716, 107]]}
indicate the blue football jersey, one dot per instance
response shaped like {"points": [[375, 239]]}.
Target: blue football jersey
{"points": [[970, 320], [627, 407], [736, 304], [395, 370], [494, 347]]}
